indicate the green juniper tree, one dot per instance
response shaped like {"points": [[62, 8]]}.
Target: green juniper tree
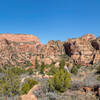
{"points": [[60, 81]]}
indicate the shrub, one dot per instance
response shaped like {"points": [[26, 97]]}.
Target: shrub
{"points": [[98, 78], [60, 81], [25, 88], [37, 66], [18, 70], [62, 64], [29, 83], [42, 67], [52, 70], [98, 69], [78, 66], [74, 70], [0, 70], [9, 83], [30, 71], [28, 63]]}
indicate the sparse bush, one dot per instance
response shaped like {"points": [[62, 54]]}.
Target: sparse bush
{"points": [[0, 70], [98, 69], [9, 83], [30, 71], [37, 66], [78, 66], [60, 81], [18, 70], [62, 64], [29, 83], [42, 67], [98, 78], [28, 63], [52, 70], [74, 70], [25, 88]]}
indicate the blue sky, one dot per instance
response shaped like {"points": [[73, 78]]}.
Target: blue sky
{"points": [[50, 19]]}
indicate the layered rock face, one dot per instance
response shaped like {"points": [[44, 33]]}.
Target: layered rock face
{"points": [[81, 50], [52, 51], [88, 37], [18, 49], [96, 44], [24, 49], [19, 38], [21, 49]]}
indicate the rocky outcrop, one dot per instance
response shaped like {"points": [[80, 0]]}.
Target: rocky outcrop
{"points": [[18, 49], [96, 57], [96, 45], [88, 37], [52, 51], [23, 50], [80, 49], [19, 38]]}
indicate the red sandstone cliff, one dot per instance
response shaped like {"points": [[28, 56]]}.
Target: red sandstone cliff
{"points": [[22, 50], [83, 50], [18, 49]]}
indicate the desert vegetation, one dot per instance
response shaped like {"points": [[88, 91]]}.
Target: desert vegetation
{"points": [[53, 82]]}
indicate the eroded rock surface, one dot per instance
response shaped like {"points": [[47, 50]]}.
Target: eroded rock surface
{"points": [[96, 45], [22, 49], [18, 49], [52, 51], [80, 49]]}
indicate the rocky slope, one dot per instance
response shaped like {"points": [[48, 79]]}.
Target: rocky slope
{"points": [[23, 50]]}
